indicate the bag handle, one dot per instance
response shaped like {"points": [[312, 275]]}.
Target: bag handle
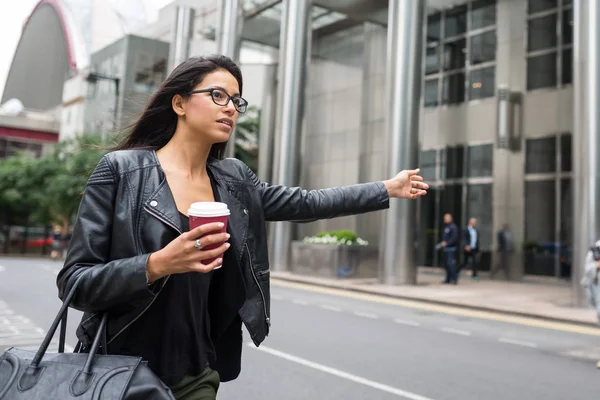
{"points": [[61, 318]]}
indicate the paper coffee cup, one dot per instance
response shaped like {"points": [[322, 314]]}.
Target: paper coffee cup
{"points": [[201, 213]]}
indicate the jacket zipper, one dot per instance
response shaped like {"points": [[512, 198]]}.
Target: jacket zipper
{"points": [[267, 319], [166, 279]]}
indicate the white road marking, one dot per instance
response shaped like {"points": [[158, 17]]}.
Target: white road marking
{"points": [[22, 333], [341, 374], [456, 331], [518, 342], [300, 302], [409, 323], [365, 315], [330, 308]]}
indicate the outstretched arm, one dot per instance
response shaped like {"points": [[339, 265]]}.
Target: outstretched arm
{"points": [[281, 203]]}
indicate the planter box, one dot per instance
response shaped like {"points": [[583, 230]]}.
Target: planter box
{"points": [[334, 260]]}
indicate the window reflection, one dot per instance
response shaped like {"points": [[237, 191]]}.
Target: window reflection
{"points": [[541, 71], [453, 89], [542, 33], [541, 5], [540, 155], [456, 21], [454, 54], [482, 83], [483, 13], [483, 48]]}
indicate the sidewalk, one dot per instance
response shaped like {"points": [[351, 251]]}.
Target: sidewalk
{"points": [[536, 297]]}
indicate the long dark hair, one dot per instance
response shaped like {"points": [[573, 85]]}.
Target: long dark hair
{"points": [[157, 124]]}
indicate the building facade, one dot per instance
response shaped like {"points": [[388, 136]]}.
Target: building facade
{"points": [[472, 48], [140, 65]]}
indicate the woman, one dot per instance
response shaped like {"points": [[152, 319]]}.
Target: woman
{"points": [[591, 279], [136, 259]]}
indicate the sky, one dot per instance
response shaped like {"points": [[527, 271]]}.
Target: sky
{"points": [[14, 13]]}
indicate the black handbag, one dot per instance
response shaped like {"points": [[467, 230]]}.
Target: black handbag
{"points": [[25, 375]]}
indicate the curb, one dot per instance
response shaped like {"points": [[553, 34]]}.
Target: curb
{"points": [[438, 302]]}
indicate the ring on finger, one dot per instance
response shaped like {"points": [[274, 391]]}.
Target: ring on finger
{"points": [[198, 245]]}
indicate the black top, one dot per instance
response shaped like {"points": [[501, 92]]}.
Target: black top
{"points": [[173, 335]]}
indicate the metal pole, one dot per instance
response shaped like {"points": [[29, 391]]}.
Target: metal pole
{"points": [[267, 126], [405, 48], [181, 36], [297, 12], [586, 93], [229, 43], [116, 110]]}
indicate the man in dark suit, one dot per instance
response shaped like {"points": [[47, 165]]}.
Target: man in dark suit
{"points": [[471, 248], [448, 246]]}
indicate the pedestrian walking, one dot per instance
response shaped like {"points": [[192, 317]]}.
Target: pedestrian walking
{"points": [[175, 296], [471, 249], [449, 245], [591, 279], [505, 248]]}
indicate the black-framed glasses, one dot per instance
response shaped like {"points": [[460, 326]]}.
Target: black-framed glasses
{"points": [[221, 98]]}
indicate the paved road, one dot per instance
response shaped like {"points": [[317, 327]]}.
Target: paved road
{"points": [[326, 346]]}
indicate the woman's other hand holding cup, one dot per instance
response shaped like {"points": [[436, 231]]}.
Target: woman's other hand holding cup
{"points": [[186, 253]]}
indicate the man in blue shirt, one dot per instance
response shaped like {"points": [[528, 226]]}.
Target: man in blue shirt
{"points": [[471, 247], [449, 244]]}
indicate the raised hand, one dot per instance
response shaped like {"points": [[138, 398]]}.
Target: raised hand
{"points": [[406, 185]]}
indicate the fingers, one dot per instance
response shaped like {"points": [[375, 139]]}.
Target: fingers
{"points": [[218, 263], [203, 229], [208, 254], [210, 239]]}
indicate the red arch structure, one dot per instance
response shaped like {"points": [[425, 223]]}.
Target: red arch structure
{"points": [[66, 30], [45, 57]]}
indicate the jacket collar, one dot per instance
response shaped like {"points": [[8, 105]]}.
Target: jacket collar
{"points": [[161, 203]]}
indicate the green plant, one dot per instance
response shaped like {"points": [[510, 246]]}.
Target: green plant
{"points": [[341, 237]]}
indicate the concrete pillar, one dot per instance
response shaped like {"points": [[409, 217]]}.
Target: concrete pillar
{"points": [[229, 41], [586, 146], [404, 75], [293, 72], [181, 36]]}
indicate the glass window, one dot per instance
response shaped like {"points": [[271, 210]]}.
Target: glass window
{"points": [[541, 71], [443, 169], [427, 163], [451, 202], [432, 60], [542, 33], [483, 48], [430, 95], [434, 28], [541, 5], [455, 162], [566, 155], [567, 27], [480, 160], [454, 54], [540, 225], [540, 155], [567, 66], [482, 83], [566, 213], [453, 89], [483, 13], [456, 21], [479, 205]]}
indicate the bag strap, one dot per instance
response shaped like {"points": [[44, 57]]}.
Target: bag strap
{"points": [[61, 318]]}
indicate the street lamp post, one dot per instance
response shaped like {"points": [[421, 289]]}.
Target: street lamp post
{"points": [[93, 77]]}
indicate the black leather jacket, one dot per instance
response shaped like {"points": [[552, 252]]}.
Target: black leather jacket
{"points": [[128, 211]]}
